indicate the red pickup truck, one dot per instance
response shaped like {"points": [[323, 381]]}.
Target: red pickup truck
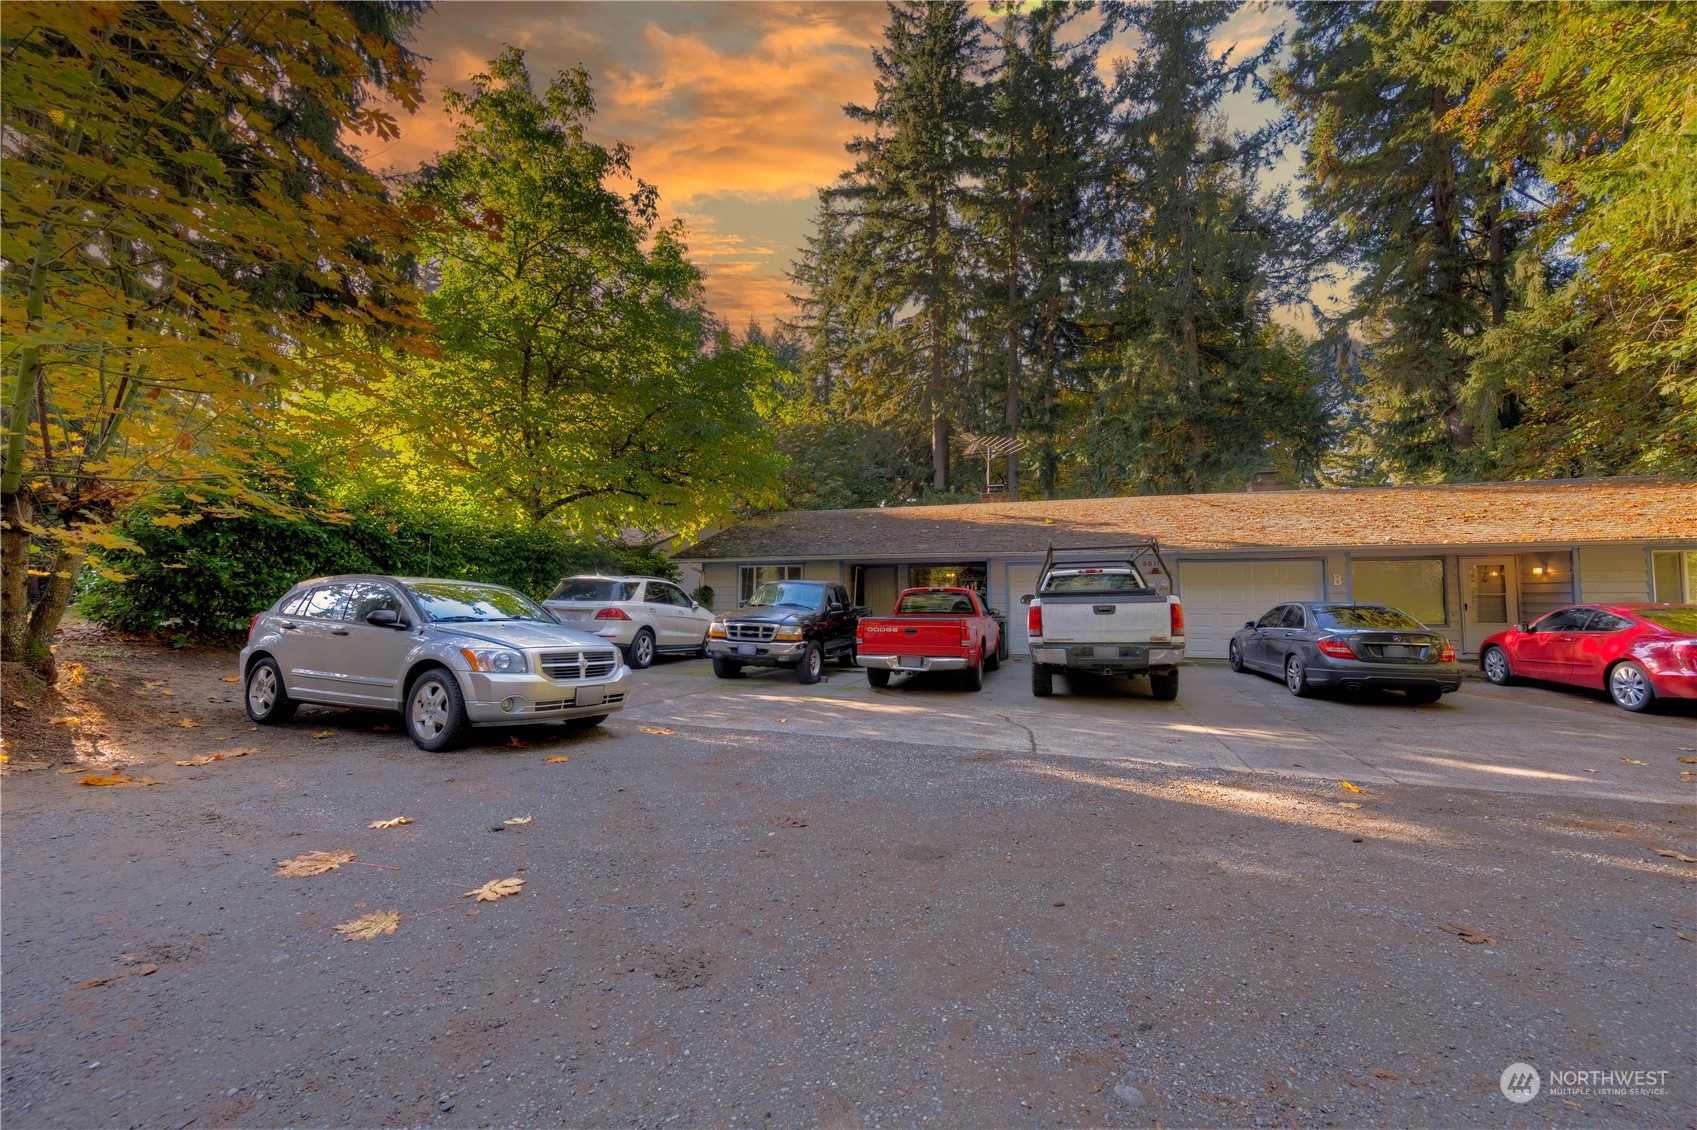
{"points": [[934, 629]]}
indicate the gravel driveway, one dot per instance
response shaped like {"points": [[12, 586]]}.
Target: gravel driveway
{"points": [[792, 911]]}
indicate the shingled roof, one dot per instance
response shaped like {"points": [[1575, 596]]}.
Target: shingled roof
{"points": [[1458, 516]]}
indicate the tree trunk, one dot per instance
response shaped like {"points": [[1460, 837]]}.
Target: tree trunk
{"points": [[1499, 269], [50, 609], [14, 579], [1012, 416], [933, 313], [1447, 279]]}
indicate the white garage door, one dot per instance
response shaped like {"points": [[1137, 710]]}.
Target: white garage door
{"points": [[1218, 596], [1022, 579]]}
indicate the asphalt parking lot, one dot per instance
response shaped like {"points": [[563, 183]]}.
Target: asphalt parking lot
{"points": [[754, 903], [1527, 738]]}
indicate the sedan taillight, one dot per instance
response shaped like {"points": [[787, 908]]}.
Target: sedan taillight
{"points": [[1448, 654], [611, 614], [1337, 649]]}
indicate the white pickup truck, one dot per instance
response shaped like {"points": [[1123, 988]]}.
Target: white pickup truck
{"points": [[1106, 615]]}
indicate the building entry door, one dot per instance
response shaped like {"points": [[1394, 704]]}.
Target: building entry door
{"points": [[1487, 599]]}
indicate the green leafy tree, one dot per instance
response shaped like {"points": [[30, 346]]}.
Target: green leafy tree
{"points": [[187, 235], [1594, 369], [1196, 390], [1418, 214], [906, 193], [579, 377], [1048, 110]]}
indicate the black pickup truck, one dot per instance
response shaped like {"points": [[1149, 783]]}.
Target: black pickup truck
{"points": [[797, 624]]}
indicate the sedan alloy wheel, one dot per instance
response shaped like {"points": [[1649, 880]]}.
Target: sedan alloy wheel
{"points": [[1630, 687]]}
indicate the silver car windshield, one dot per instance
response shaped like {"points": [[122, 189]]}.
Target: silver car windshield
{"points": [[457, 602], [796, 594]]}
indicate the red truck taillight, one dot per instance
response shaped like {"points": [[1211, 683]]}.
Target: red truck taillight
{"points": [[1034, 620], [1178, 618]]}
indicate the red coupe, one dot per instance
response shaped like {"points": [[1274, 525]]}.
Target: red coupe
{"points": [[1637, 652]]}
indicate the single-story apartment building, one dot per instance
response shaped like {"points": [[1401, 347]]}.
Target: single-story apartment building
{"points": [[1467, 559]]}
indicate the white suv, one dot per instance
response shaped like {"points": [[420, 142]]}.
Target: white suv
{"points": [[644, 616]]}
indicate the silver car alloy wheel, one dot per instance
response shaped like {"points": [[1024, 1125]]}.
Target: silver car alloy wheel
{"points": [[1294, 674], [1496, 665], [429, 709], [1629, 686], [262, 690], [643, 649]]}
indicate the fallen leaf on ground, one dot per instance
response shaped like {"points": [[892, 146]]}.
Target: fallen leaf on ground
{"points": [[495, 889], [1629, 761], [26, 706], [168, 691], [1348, 804], [67, 720], [395, 823], [1666, 854], [1683, 760], [1468, 934], [188, 723], [662, 729], [312, 863], [322, 734], [1590, 770], [1349, 787], [211, 757], [516, 820], [371, 925], [514, 742], [117, 778], [783, 719], [143, 971], [381, 728], [232, 678], [557, 757], [1682, 937], [153, 683], [73, 769], [1384, 1074]]}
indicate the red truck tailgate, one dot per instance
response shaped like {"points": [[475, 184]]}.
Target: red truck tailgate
{"points": [[912, 635]]}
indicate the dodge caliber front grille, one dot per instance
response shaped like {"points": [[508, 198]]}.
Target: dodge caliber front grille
{"points": [[570, 665], [760, 632]]}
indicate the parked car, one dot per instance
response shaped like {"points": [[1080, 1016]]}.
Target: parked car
{"points": [[1101, 615], [933, 629], [448, 655], [643, 616], [1353, 646], [795, 624], [1637, 652]]}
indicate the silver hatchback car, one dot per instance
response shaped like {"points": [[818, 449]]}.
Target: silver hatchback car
{"points": [[448, 655]]}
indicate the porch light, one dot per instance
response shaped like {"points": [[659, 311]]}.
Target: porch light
{"points": [[1537, 570]]}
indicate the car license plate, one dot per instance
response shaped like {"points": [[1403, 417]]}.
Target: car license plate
{"points": [[1394, 651], [590, 696], [911, 660], [745, 649]]}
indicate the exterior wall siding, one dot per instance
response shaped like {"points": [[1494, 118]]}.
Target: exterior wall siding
{"points": [[722, 579], [1543, 593], [1609, 573]]}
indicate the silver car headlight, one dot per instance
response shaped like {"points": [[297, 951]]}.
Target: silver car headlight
{"points": [[495, 660]]}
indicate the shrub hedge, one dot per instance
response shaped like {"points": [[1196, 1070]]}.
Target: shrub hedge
{"points": [[206, 579]]}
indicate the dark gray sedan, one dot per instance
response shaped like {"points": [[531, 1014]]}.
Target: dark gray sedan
{"points": [[1356, 647]]}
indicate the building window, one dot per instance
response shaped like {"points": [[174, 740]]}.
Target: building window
{"points": [[751, 577], [1675, 576], [1415, 585]]}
